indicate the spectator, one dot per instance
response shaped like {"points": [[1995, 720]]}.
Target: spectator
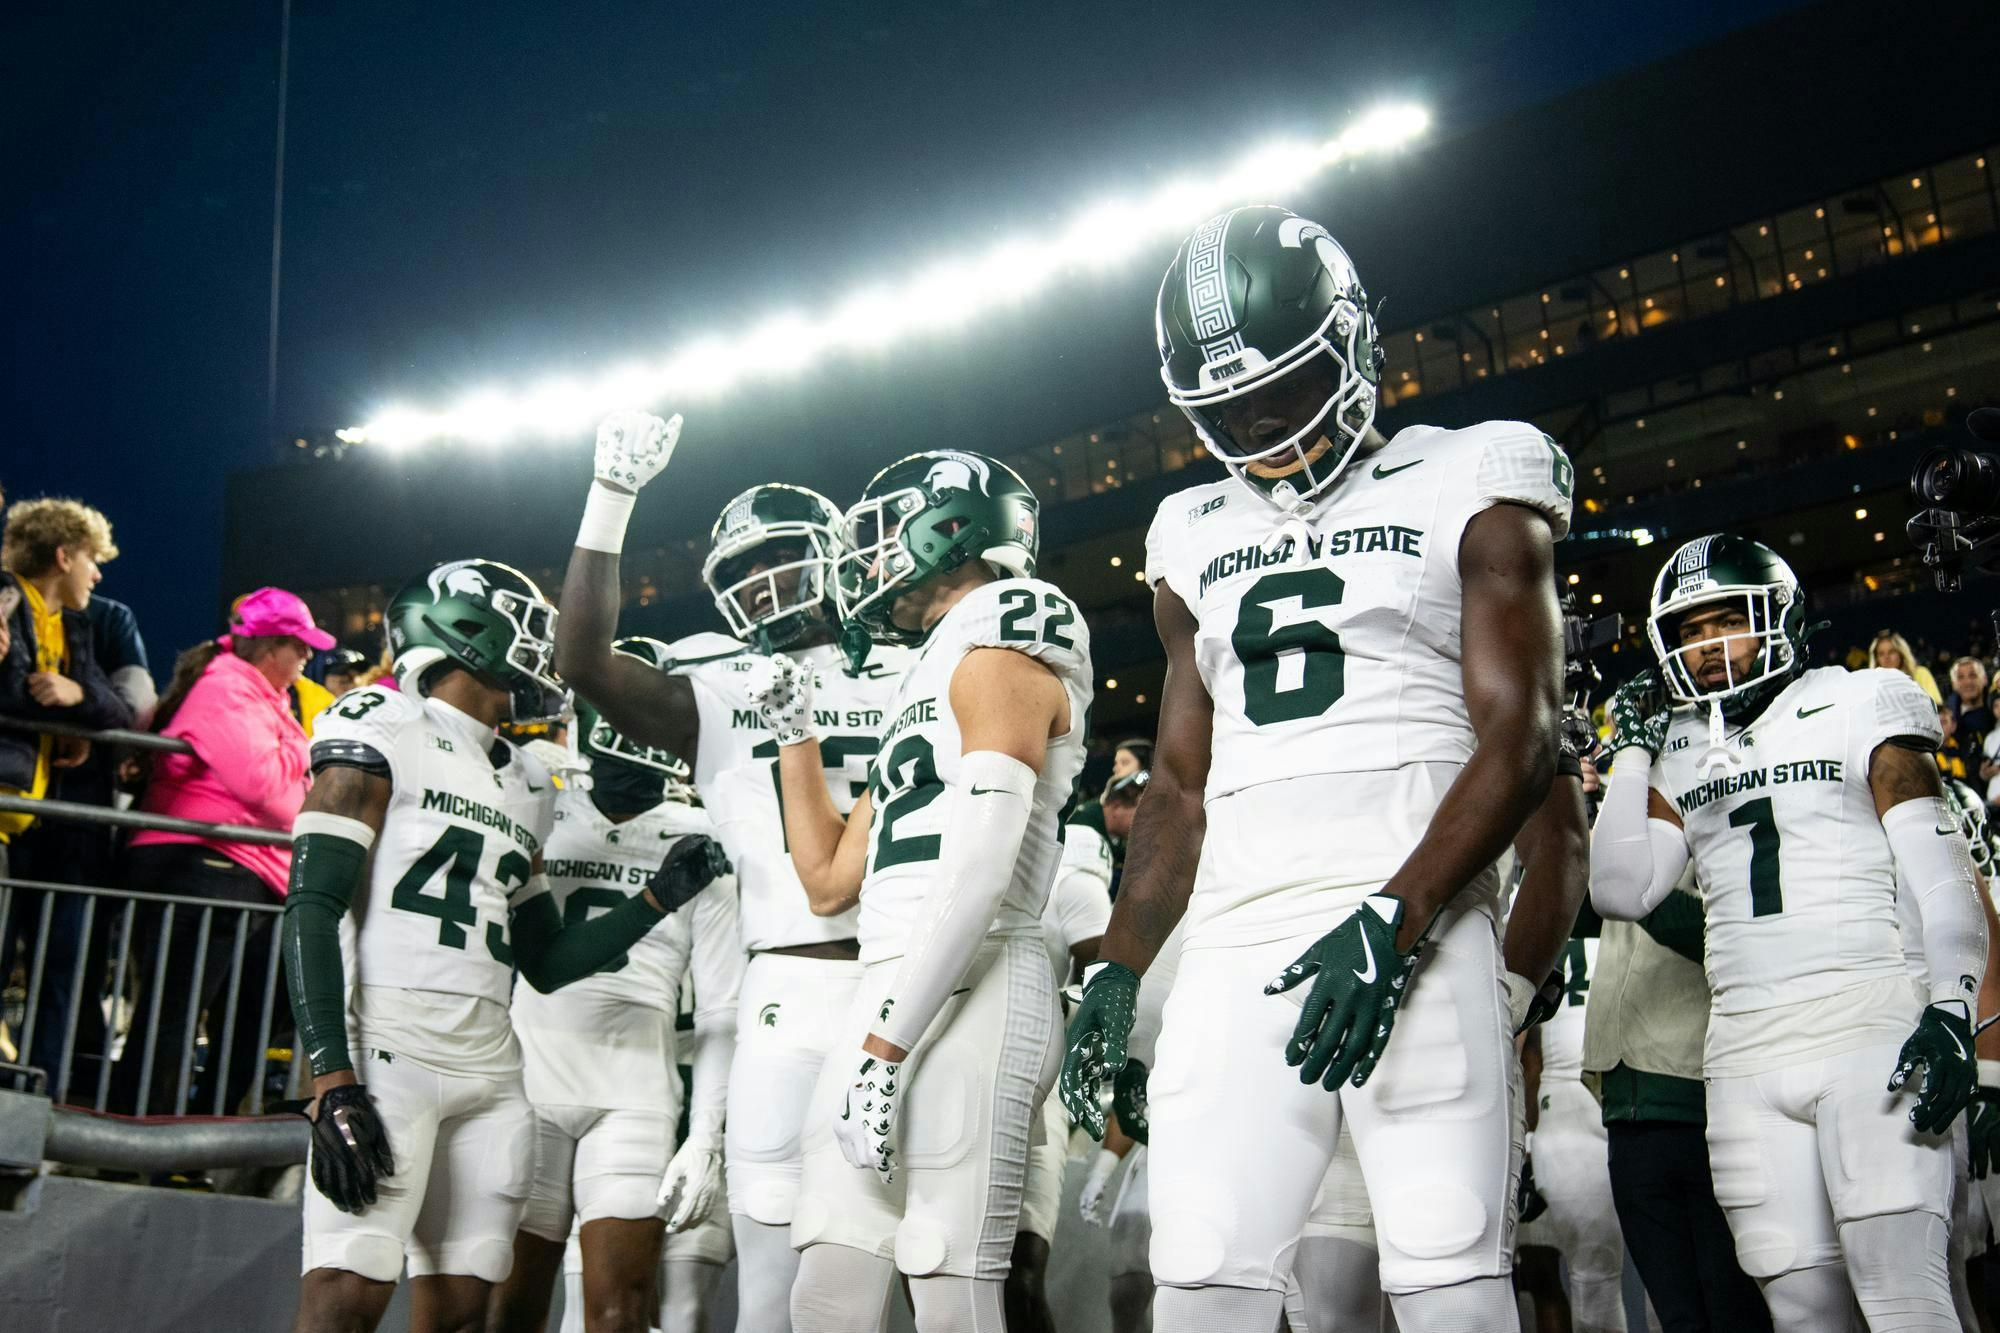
{"points": [[229, 700], [1955, 758], [1130, 757], [49, 672], [1891, 651], [344, 670]]}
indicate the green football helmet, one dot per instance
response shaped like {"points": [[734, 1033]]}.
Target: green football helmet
{"points": [[485, 617], [1725, 568], [1261, 301], [1969, 810], [759, 606], [593, 742], [920, 519]]}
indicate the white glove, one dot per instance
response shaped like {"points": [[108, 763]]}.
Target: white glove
{"points": [[695, 1175], [633, 447], [781, 691], [868, 1116], [1103, 1166]]}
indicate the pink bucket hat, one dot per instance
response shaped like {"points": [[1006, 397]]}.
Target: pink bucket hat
{"points": [[272, 612]]}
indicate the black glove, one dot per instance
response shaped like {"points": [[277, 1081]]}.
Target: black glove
{"points": [[350, 1147], [1548, 999], [1128, 1099], [1982, 1123], [1942, 1044], [1528, 1200], [690, 867]]}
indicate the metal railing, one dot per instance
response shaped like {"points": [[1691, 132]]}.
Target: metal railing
{"points": [[157, 988]]}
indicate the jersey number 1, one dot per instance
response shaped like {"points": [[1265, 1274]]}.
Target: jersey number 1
{"points": [[1767, 896]]}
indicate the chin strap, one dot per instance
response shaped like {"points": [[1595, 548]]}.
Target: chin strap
{"points": [[1292, 526], [1717, 758]]}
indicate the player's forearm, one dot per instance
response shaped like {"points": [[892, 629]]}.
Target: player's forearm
{"points": [[1495, 793], [1934, 868], [1987, 1044], [712, 1053], [552, 954], [1555, 852], [589, 620], [1160, 860], [814, 828], [328, 853], [1677, 924], [1635, 860], [986, 818]]}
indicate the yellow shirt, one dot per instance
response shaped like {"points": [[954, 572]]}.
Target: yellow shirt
{"points": [[309, 700], [51, 654]]}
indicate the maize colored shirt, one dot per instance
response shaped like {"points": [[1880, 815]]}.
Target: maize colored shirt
{"points": [[51, 654]]}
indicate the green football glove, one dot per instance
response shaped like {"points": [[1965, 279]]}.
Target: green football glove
{"points": [[1128, 1100], [1982, 1125], [1529, 1201], [1358, 978], [1097, 1035], [1639, 714], [1942, 1044]]}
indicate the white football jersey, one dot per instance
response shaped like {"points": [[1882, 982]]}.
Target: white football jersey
{"points": [[921, 752], [608, 1040], [1079, 906], [736, 771], [468, 815], [1562, 1034], [1798, 883], [1331, 649]]}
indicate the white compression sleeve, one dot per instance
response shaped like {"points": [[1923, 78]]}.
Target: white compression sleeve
{"points": [[984, 823], [1154, 988], [1934, 868], [605, 514], [1634, 860]]}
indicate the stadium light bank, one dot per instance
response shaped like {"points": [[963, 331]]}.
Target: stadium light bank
{"points": [[930, 300]]}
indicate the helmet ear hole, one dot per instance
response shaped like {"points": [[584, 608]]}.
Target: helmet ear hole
{"points": [[469, 628]]}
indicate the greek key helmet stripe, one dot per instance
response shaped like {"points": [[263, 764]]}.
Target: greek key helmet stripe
{"points": [[1208, 290]]}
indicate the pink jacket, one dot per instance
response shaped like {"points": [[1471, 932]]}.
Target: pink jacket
{"points": [[249, 766]]}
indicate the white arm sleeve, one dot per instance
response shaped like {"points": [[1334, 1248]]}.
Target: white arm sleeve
{"points": [[1634, 860], [985, 820], [1934, 869], [717, 962]]}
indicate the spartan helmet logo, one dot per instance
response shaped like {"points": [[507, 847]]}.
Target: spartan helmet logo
{"points": [[461, 578], [960, 472], [740, 515]]}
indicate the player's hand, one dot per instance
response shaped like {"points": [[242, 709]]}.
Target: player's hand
{"points": [[1528, 1004], [1358, 978], [1942, 1044], [1639, 714], [868, 1116], [1103, 1165], [1128, 1100], [695, 862], [693, 1179], [1982, 1126], [350, 1147], [1529, 1202], [781, 691], [1097, 1035], [633, 447]]}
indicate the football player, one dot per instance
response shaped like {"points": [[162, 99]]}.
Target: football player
{"points": [[430, 829], [600, 1056], [1359, 715], [768, 568], [1073, 924], [917, 1144], [1809, 802]]}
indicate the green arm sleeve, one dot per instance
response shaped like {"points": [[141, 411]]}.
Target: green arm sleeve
{"points": [[1589, 925], [551, 955], [1677, 924], [325, 869]]}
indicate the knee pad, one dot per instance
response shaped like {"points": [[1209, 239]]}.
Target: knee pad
{"points": [[810, 1219], [1432, 1220], [1596, 1261], [771, 1202], [921, 1247], [377, 1258], [1187, 1250]]}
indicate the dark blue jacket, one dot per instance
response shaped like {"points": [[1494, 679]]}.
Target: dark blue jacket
{"points": [[101, 706]]}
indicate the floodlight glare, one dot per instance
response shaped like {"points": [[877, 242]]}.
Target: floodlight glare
{"points": [[932, 298]]}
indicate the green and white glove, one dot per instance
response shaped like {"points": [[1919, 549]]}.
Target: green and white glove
{"points": [[1942, 1044], [633, 447], [1128, 1101], [1982, 1121], [1097, 1035], [1359, 977], [1639, 714], [781, 691]]}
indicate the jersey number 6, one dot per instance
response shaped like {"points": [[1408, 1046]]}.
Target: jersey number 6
{"points": [[1293, 666]]}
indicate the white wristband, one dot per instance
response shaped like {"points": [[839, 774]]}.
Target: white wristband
{"points": [[605, 514]]}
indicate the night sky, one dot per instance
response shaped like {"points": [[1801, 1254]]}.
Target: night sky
{"points": [[482, 191]]}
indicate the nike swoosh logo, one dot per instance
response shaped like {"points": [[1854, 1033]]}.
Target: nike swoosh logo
{"points": [[1957, 1044], [1808, 712], [1367, 975], [1944, 830], [533, 788], [1384, 472], [985, 791]]}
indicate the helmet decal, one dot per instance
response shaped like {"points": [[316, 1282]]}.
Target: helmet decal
{"points": [[1213, 320], [959, 471], [1691, 566], [460, 577]]}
